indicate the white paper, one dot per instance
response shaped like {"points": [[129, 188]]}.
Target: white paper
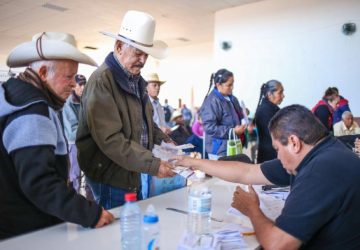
{"points": [[167, 151], [183, 171], [165, 145], [270, 206]]}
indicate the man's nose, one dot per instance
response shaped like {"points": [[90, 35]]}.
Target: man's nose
{"points": [[143, 58]]}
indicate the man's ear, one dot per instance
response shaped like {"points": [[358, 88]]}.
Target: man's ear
{"points": [[118, 46], [295, 143], [43, 71]]}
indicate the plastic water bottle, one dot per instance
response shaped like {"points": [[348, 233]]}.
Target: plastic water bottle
{"points": [[199, 206], [130, 223], [151, 230]]}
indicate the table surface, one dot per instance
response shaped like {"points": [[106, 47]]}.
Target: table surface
{"points": [[172, 224]]}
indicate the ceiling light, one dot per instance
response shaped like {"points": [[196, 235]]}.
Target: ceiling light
{"points": [[90, 47], [54, 7], [183, 39]]}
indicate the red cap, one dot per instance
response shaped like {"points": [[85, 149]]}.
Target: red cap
{"points": [[130, 197]]}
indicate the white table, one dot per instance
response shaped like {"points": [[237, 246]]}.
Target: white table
{"points": [[172, 225]]}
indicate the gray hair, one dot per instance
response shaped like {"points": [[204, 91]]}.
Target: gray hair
{"points": [[50, 65], [125, 44], [346, 114]]}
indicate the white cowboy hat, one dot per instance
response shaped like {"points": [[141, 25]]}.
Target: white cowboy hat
{"points": [[153, 77], [47, 46], [137, 29], [175, 114]]}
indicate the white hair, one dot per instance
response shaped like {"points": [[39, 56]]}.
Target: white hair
{"points": [[124, 44], [346, 114], [50, 65]]}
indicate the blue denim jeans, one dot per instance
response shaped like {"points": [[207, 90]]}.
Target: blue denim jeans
{"points": [[108, 196]]}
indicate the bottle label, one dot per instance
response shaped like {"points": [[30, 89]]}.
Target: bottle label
{"points": [[199, 204], [153, 244]]}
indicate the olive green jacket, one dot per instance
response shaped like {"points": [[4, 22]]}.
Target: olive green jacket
{"points": [[109, 131]]}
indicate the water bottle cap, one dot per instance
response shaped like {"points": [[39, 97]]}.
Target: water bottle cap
{"points": [[130, 197], [151, 219]]}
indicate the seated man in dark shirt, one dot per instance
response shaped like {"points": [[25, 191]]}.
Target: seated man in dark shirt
{"points": [[181, 131], [322, 209]]}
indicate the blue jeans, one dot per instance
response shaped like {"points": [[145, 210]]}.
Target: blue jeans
{"points": [[108, 196]]}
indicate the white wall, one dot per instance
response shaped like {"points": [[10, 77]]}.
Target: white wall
{"points": [[186, 68], [298, 42]]}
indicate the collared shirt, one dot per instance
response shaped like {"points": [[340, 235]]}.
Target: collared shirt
{"points": [[340, 129], [322, 209], [159, 116], [133, 82]]}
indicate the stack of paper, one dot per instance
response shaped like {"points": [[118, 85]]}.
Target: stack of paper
{"points": [[229, 239]]}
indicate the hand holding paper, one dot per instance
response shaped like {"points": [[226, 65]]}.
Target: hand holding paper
{"points": [[245, 202], [168, 153], [165, 170]]}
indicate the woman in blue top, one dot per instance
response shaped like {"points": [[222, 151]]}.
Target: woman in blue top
{"points": [[271, 95], [221, 112]]}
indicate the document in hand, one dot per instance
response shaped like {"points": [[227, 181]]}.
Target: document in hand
{"points": [[166, 151], [271, 206], [183, 171]]}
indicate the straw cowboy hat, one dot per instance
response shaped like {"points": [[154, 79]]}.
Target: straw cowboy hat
{"points": [[153, 77], [137, 29], [47, 46], [176, 114]]}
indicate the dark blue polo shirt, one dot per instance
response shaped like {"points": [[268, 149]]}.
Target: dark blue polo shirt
{"points": [[323, 207]]}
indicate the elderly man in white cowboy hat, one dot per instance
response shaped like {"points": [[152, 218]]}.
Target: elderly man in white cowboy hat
{"points": [[116, 131], [33, 174]]}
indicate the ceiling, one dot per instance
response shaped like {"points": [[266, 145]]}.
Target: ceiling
{"points": [[179, 22]]}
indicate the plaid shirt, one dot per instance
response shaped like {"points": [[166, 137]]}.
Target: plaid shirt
{"points": [[133, 82]]}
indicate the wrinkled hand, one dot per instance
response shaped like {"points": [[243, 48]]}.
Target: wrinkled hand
{"points": [[184, 161], [240, 129], [105, 218], [165, 170], [245, 202]]}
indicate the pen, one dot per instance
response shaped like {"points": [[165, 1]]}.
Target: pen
{"points": [[186, 212], [248, 233]]}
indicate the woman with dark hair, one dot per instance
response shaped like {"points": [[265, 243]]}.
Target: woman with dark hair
{"points": [[325, 108], [271, 95], [221, 112]]}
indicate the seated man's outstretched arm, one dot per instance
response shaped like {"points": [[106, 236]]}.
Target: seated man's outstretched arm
{"points": [[232, 171]]}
